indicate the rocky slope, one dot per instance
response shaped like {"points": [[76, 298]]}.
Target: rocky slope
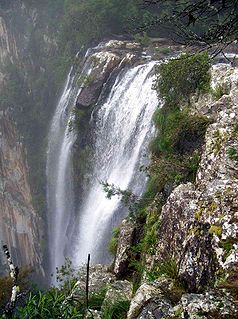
{"points": [[198, 224]]}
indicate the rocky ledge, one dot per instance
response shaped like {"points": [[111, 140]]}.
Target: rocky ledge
{"points": [[104, 62]]}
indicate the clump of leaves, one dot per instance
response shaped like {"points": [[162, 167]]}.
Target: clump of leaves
{"points": [[128, 197], [143, 39], [116, 310], [112, 245], [49, 304], [179, 78]]}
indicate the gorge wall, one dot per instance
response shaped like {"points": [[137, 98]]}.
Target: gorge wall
{"points": [[20, 226], [25, 41]]}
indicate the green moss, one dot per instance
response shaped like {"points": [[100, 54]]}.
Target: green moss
{"points": [[227, 246], [233, 154], [235, 129], [216, 230], [163, 51], [86, 80], [218, 138]]}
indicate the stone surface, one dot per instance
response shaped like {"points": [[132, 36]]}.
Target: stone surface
{"points": [[149, 301], [108, 59], [199, 222], [125, 241], [210, 303], [95, 314], [99, 277], [19, 224], [120, 290]]}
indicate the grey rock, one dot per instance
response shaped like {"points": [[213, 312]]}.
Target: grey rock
{"points": [[125, 241]]}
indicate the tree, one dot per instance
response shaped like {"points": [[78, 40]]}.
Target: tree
{"points": [[211, 23]]}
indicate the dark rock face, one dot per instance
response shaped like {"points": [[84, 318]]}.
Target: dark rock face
{"points": [[125, 241], [20, 227], [176, 218], [198, 263], [90, 94]]}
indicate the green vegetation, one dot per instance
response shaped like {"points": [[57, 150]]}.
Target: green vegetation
{"points": [[49, 304], [168, 268], [182, 77], [219, 91], [112, 245], [216, 230], [233, 154], [143, 39], [88, 21], [235, 129], [116, 310], [175, 151], [85, 80]]}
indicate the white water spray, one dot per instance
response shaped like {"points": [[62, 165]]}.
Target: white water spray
{"points": [[123, 131]]}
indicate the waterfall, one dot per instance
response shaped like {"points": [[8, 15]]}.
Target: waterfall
{"points": [[60, 199], [122, 133], [122, 130]]}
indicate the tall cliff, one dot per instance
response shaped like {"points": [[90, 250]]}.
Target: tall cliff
{"points": [[20, 227], [28, 93]]}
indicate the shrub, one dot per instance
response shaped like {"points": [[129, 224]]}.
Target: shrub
{"points": [[49, 304], [179, 78], [143, 39]]}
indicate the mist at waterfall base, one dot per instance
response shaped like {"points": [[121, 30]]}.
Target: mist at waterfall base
{"points": [[122, 131]]}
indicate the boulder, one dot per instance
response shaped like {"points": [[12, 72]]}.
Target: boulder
{"points": [[150, 301]]}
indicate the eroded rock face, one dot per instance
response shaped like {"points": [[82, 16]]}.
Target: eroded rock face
{"points": [[19, 224], [99, 278], [199, 222], [125, 241]]}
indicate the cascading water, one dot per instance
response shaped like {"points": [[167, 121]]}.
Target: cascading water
{"points": [[60, 194], [123, 131], [58, 171]]}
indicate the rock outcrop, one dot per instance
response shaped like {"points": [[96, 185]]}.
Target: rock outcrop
{"points": [[19, 223], [125, 241], [107, 61]]}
